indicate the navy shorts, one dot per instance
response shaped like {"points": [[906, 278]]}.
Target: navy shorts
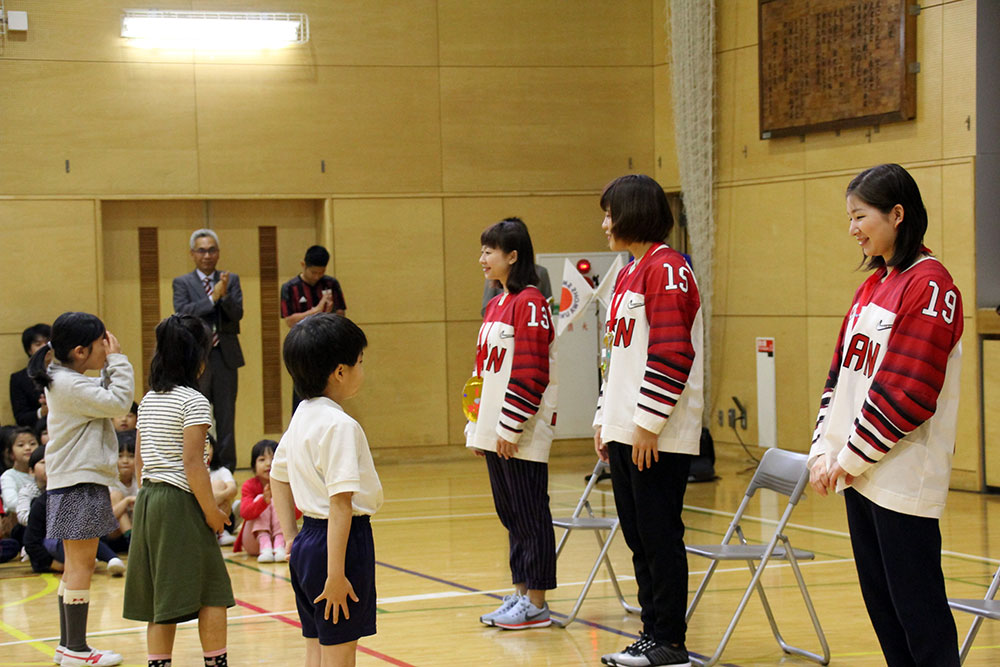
{"points": [[307, 567]]}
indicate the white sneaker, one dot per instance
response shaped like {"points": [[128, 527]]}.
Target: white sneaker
{"points": [[279, 555], [266, 556], [116, 567], [226, 539], [508, 602], [523, 616], [57, 658], [91, 658]]}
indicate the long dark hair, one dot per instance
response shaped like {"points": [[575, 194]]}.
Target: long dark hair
{"points": [[182, 346], [508, 235], [883, 187], [69, 331]]}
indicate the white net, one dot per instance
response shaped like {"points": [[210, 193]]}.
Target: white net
{"points": [[691, 37]]}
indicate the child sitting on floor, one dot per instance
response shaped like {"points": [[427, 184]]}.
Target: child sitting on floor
{"points": [[260, 533]]}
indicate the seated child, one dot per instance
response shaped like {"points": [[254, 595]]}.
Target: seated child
{"points": [[260, 533], [42, 431], [324, 463], [47, 554], [19, 445], [123, 493], [223, 488], [127, 422]]}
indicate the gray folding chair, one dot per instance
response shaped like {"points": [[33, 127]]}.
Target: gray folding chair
{"points": [[605, 529], [785, 473], [985, 608]]}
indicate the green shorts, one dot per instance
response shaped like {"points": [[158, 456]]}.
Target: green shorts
{"points": [[175, 566]]}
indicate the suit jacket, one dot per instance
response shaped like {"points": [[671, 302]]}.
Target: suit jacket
{"points": [[24, 398], [224, 316]]}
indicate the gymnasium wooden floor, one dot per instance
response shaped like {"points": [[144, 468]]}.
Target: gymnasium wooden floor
{"points": [[442, 562]]}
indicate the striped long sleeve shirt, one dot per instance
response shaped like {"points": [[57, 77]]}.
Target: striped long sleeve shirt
{"points": [[654, 378], [515, 356], [889, 407]]}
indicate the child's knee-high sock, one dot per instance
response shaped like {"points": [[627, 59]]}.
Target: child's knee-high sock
{"points": [[77, 605], [279, 541], [264, 540], [62, 614], [163, 660], [216, 658]]}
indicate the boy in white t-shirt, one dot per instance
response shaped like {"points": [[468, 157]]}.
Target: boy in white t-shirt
{"points": [[323, 465]]}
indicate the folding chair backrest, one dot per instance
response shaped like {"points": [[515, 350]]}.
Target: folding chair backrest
{"points": [[782, 471]]}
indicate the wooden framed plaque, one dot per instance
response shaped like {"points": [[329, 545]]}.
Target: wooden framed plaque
{"points": [[831, 64]]}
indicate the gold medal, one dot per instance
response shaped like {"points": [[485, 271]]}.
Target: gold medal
{"points": [[471, 393]]}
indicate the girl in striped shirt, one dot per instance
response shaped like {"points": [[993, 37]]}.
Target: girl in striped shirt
{"points": [[175, 569]]}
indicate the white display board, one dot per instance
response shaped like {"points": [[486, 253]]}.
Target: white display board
{"points": [[578, 355]]}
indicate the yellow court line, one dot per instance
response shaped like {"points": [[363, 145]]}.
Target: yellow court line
{"points": [[51, 584]]}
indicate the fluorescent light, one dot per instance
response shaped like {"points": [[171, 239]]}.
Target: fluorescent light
{"points": [[150, 28]]}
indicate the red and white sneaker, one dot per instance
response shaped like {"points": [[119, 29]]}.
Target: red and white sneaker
{"points": [[57, 658], [91, 658]]}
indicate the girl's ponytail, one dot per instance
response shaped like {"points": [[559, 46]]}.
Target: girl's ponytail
{"points": [[69, 331], [37, 367]]}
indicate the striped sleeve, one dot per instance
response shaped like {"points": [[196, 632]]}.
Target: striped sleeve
{"points": [[672, 303], [529, 373], [288, 301], [906, 386], [831, 384]]}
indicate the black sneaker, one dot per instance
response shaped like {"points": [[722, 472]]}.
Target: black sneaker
{"points": [[653, 653], [638, 644]]}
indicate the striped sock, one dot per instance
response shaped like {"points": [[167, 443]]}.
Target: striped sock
{"points": [[163, 660]]}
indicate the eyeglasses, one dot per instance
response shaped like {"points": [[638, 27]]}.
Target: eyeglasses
{"points": [[206, 251]]}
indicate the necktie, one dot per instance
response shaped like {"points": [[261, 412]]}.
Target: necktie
{"points": [[208, 291]]}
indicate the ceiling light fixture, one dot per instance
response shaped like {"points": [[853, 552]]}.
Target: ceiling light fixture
{"points": [[229, 31]]}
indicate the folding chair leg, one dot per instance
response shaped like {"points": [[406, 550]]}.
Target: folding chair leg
{"points": [[969, 638], [823, 659], [701, 590], [614, 580], [590, 580]]}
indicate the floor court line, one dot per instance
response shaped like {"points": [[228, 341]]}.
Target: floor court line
{"points": [[582, 621], [290, 621]]}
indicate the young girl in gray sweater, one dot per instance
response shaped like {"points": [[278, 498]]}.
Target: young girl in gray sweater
{"points": [[81, 461]]}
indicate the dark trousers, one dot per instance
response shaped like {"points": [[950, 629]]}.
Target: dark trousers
{"points": [[649, 507], [521, 497], [219, 384], [898, 557]]}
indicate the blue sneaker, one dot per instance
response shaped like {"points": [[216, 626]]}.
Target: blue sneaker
{"points": [[508, 602], [523, 616]]}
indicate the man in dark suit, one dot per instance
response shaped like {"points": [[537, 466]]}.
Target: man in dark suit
{"points": [[27, 400], [216, 297]]}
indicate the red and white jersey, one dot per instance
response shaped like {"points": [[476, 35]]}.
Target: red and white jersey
{"points": [[654, 377], [516, 357], [890, 406]]}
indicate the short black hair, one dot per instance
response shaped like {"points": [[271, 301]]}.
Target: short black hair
{"points": [[41, 426], [259, 449], [182, 346], [31, 334], [126, 441], [134, 410], [317, 255], [36, 456], [639, 209], [316, 346], [883, 187], [508, 235]]}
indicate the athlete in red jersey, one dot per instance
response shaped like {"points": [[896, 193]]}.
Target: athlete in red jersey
{"points": [[515, 357], [886, 427]]}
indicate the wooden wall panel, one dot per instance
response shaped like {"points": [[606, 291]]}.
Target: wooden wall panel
{"points": [[390, 259], [958, 220], [667, 173], [735, 339], [991, 416], [461, 338], [528, 33], [148, 252], [832, 254], [556, 224], [271, 370], [736, 24], [725, 115], [403, 402], [567, 128], [124, 128], [958, 73], [967, 449], [767, 238], [267, 129]]}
